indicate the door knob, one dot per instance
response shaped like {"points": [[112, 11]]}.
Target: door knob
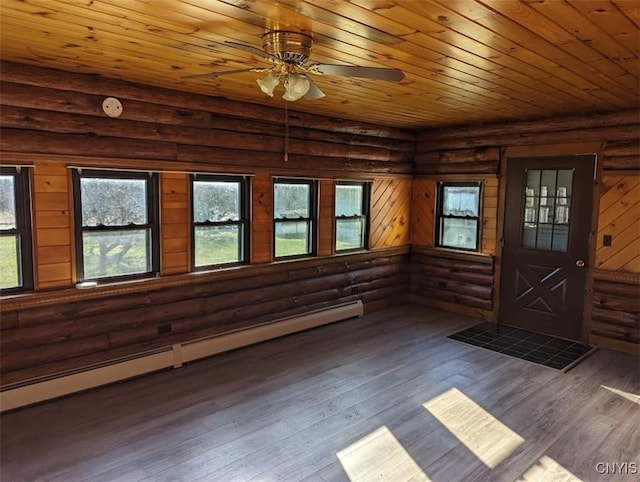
{"points": [[580, 263]]}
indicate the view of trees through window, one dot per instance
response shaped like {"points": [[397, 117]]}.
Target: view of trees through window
{"points": [[350, 217], [9, 240], [218, 230], [459, 216], [116, 237], [292, 207]]}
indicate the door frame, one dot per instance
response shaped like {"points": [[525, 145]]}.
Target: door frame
{"points": [[596, 148]]}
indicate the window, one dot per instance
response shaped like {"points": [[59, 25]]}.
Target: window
{"points": [[294, 214], [458, 215], [220, 227], [16, 270], [351, 211], [116, 219]]}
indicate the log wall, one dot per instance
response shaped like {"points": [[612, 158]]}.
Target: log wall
{"points": [[475, 151], [53, 120], [76, 329], [452, 281]]}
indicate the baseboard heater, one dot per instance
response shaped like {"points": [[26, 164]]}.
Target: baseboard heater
{"points": [[45, 388]]}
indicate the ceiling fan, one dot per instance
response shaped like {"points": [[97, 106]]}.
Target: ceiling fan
{"points": [[289, 53]]}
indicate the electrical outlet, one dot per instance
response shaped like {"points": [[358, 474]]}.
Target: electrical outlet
{"points": [[163, 329], [606, 240], [354, 290]]}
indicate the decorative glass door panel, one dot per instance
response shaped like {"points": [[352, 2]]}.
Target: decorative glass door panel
{"points": [[547, 206]]}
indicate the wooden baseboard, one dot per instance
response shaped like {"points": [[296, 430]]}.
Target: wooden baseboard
{"points": [[616, 345], [445, 306]]}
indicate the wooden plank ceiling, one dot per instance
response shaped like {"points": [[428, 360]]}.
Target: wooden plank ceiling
{"points": [[466, 61]]}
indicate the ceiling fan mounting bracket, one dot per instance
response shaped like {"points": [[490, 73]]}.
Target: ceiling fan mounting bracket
{"points": [[290, 47]]}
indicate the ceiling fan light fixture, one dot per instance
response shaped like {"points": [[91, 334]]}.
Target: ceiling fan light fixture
{"points": [[268, 84], [296, 86]]}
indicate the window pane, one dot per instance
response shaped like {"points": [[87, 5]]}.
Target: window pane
{"points": [[116, 253], [292, 238], [348, 200], [9, 262], [217, 244], [291, 200], [113, 202], [459, 233], [7, 202], [548, 195], [349, 233], [216, 201], [461, 200]]}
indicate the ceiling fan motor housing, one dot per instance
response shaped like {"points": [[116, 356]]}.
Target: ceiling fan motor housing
{"points": [[290, 47]]}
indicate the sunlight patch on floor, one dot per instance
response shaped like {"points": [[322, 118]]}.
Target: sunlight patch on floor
{"points": [[483, 434], [548, 469], [379, 456], [635, 398]]}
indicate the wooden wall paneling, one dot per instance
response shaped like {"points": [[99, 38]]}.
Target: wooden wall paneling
{"points": [[53, 228], [261, 218], [326, 213], [423, 212], [175, 211], [620, 218], [489, 216], [390, 212]]}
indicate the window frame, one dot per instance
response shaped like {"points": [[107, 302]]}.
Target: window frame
{"points": [[365, 209], [153, 211], [23, 229], [439, 216], [313, 219], [244, 221]]}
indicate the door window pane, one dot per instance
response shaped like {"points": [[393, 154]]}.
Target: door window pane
{"points": [[547, 207]]}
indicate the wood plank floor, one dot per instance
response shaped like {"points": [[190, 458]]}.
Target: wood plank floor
{"points": [[383, 397]]}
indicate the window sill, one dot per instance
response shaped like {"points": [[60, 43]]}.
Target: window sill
{"points": [[454, 254]]}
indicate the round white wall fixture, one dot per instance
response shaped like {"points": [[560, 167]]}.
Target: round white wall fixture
{"points": [[112, 107]]}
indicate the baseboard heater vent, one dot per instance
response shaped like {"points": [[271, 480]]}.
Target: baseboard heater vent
{"points": [[38, 390]]}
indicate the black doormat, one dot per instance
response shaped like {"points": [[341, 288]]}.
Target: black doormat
{"points": [[533, 347]]}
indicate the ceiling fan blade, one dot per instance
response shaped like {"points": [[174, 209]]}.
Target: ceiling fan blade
{"points": [[252, 50], [218, 74], [374, 73], [314, 91]]}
